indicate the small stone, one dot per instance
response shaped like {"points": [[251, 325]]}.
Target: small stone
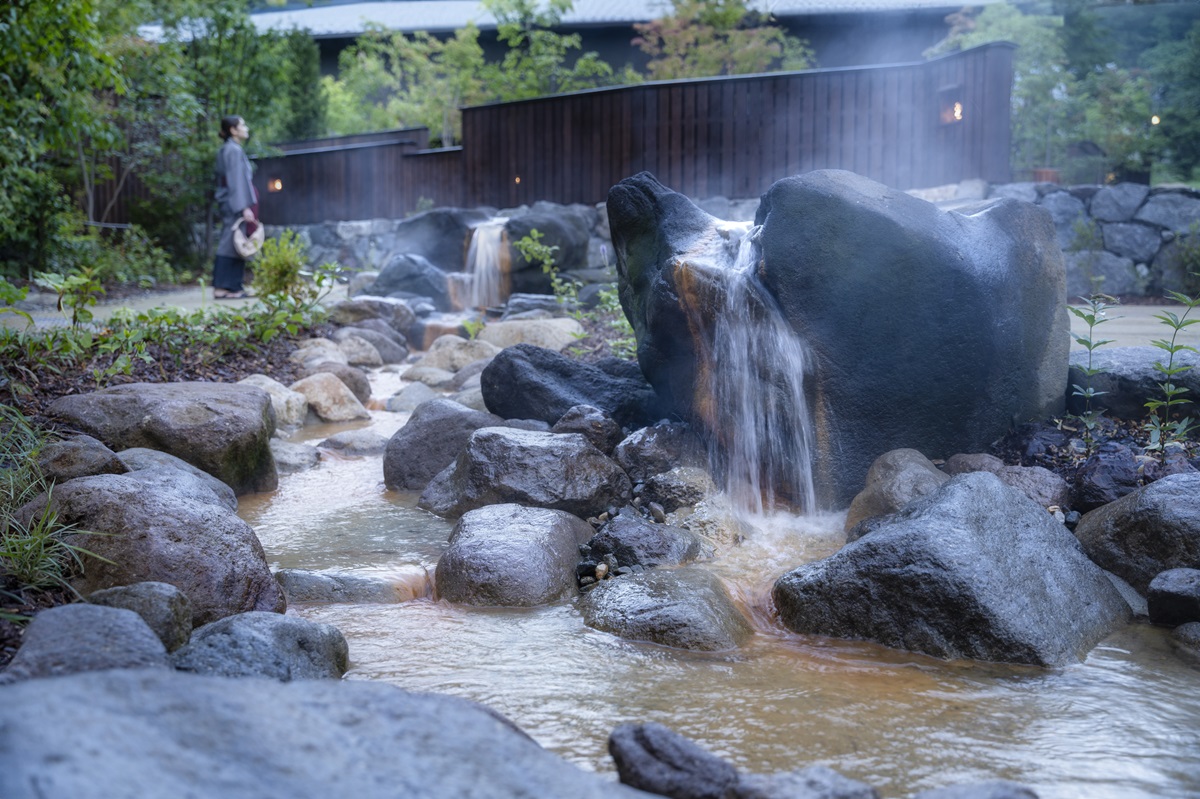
{"points": [[585, 550], [595, 521], [624, 570], [586, 582], [1072, 519], [601, 571], [637, 502], [611, 561], [657, 513], [604, 517], [637, 568]]}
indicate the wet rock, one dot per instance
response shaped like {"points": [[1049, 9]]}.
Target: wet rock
{"points": [[454, 352], [393, 312], [265, 645], [291, 457], [469, 374], [528, 382], [814, 782], [1174, 597], [164, 608], [141, 459], [1186, 640], [1109, 474], [202, 549], [974, 570], [384, 329], [352, 377], [713, 519], [359, 351], [633, 540], [434, 435], [213, 738], [439, 235], [660, 761], [1149, 531], [894, 479], [526, 305], [385, 346], [312, 351], [682, 486], [656, 449], [329, 398], [685, 608], [414, 274], [220, 428], [1010, 362], [430, 376], [1039, 484], [291, 408], [552, 334], [69, 639], [408, 398], [301, 585], [994, 789], [512, 556], [181, 483], [356, 443], [593, 424], [471, 397], [545, 470], [78, 456]]}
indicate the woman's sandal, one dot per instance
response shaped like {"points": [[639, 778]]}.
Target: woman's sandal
{"points": [[231, 295]]}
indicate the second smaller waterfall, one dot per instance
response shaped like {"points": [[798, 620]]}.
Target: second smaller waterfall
{"points": [[484, 282]]}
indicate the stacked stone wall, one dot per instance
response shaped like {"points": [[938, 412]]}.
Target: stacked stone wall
{"points": [[1124, 240]]}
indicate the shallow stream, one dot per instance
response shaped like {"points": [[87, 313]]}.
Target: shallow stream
{"points": [[1124, 724]]}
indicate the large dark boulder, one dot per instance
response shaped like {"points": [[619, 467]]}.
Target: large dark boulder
{"points": [[221, 428], [973, 570], [141, 733], [1146, 532], [513, 556], [636, 541], [200, 547], [658, 760], [926, 329], [528, 382], [567, 232], [429, 441], [544, 470], [409, 273]]}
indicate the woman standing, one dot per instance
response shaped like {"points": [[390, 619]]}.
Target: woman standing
{"points": [[236, 200]]}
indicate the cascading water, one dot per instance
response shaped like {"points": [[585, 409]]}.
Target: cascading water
{"points": [[483, 283], [757, 365]]}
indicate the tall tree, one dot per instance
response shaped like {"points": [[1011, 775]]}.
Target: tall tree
{"points": [[701, 38], [1176, 67], [307, 101]]}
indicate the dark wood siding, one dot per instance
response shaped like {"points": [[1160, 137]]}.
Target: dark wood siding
{"points": [[731, 136]]}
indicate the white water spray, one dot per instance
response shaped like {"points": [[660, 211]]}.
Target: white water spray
{"points": [[763, 448]]}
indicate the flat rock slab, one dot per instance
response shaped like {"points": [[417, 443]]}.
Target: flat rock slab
{"points": [[223, 429], [169, 734]]}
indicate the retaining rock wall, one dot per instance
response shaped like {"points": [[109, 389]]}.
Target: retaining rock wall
{"points": [[1125, 239]]}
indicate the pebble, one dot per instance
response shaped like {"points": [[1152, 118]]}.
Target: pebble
{"points": [[601, 571], [586, 581], [621, 572], [657, 513]]}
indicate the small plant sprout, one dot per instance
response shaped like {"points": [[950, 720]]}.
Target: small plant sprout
{"points": [[1093, 313], [473, 327], [1163, 429]]}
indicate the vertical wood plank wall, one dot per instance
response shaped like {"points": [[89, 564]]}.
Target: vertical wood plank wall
{"points": [[731, 136]]}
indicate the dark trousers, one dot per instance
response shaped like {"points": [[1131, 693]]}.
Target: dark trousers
{"points": [[228, 273]]}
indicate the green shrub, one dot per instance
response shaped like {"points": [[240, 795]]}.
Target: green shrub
{"points": [[281, 279]]}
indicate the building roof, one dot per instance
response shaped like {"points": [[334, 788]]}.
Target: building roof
{"points": [[337, 20]]}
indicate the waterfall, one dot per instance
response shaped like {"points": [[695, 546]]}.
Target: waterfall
{"points": [[484, 283], [763, 442]]}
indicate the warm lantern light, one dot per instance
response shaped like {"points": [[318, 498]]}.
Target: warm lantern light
{"points": [[1154, 120], [950, 105], [275, 184], [518, 180]]}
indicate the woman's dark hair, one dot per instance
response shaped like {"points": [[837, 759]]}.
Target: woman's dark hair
{"points": [[228, 124]]}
